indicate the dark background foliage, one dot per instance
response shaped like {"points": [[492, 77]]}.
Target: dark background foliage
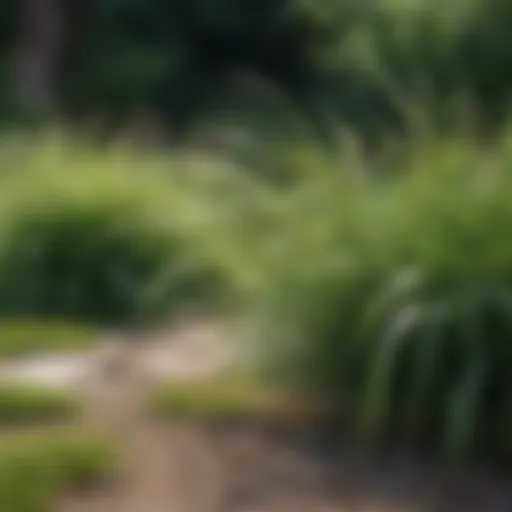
{"points": [[352, 62]]}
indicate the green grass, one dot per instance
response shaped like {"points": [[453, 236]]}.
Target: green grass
{"points": [[227, 398], [23, 404], [36, 469], [224, 398], [22, 336], [393, 299]]}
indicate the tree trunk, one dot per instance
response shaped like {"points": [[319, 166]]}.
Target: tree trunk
{"points": [[37, 53]]}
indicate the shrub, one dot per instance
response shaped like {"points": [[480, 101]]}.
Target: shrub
{"points": [[398, 309], [83, 239]]}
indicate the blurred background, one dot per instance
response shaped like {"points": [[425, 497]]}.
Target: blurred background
{"points": [[255, 255]]}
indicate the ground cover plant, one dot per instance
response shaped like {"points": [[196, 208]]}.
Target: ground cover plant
{"points": [[35, 469], [24, 335], [24, 404]]}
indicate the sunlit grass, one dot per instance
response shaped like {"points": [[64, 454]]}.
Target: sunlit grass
{"points": [[230, 397], [223, 398], [36, 469], [23, 336], [24, 404]]}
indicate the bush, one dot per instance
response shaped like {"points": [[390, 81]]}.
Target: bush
{"points": [[35, 469], [28, 335], [84, 239], [398, 309], [28, 404]]}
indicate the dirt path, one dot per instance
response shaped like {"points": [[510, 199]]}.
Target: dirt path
{"points": [[114, 402], [174, 466]]}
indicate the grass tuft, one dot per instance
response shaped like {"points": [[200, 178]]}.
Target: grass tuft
{"points": [[23, 404], [36, 469]]}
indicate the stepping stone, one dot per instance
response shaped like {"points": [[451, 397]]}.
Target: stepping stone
{"points": [[56, 371]]}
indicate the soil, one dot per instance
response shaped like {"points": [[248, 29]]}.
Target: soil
{"points": [[175, 466]]}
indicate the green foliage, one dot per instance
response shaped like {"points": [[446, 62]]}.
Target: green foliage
{"points": [[178, 59], [29, 404], [9, 14], [83, 460], [393, 299], [80, 242], [28, 335], [389, 298], [435, 51], [228, 398], [35, 469], [333, 64]]}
